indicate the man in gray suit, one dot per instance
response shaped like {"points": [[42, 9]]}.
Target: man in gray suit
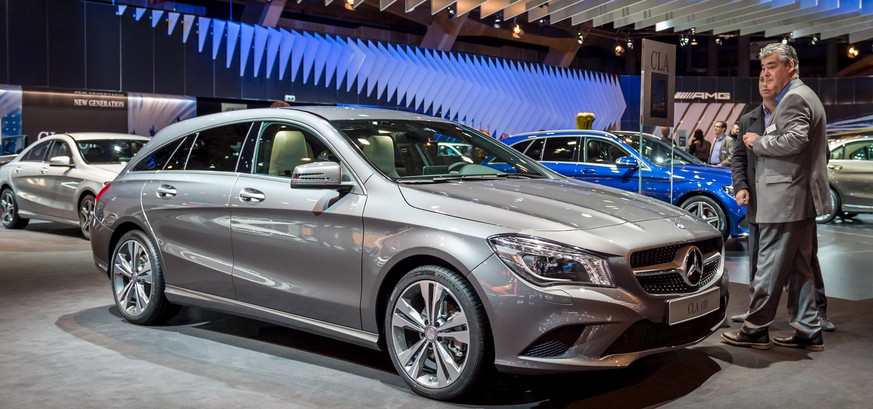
{"points": [[722, 146], [791, 189], [743, 175]]}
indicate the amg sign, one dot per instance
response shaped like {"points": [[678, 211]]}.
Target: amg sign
{"points": [[721, 96]]}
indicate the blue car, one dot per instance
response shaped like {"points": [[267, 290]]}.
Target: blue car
{"points": [[615, 159]]}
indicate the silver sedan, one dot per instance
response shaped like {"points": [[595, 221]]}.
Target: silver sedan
{"points": [[354, 224], [58, 177]]}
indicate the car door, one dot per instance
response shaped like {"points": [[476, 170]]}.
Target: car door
{"points": [[296, 250], [599, 167], [29, 176], [851, 176], [64, 181], [561, 154], [186, 205]]}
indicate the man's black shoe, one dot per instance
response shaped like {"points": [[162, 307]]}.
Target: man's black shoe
{"points": [[814, 343], [761, 340]]}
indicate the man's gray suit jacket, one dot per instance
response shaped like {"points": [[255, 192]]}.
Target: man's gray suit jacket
{"points": [[791, 168]]}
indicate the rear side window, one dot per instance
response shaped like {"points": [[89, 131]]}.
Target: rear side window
{"points": [[859, 151], [158, 158], [217, 149], [561, 149]]}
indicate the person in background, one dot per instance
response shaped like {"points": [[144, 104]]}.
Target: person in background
{"points": [[735, 131], [722, 146], [279, 104], [699, 147], [791, 189]]}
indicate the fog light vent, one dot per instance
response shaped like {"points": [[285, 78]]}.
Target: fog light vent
{"points": [[554, 343]]}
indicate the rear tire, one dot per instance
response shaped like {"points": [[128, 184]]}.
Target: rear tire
{"points": [[9, 211], [138, 282], [835, 204], [709, 211], [86, 215], [437, 334]]}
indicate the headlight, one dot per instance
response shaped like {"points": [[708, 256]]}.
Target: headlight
{"points": [[729, 190], [543, 263]]}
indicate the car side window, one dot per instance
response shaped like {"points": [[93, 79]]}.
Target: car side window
{"points": [[561, 149], [217, 149], [38, 153], [604, 152], [157, 160], [282, 146], [535, 150], [60, 148], [859, 151]]}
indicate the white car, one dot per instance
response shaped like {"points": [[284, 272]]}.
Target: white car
{"points": [[58, 177]]}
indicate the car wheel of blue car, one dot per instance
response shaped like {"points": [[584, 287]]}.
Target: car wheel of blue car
{"points": [[708, 210], [437, 333]]}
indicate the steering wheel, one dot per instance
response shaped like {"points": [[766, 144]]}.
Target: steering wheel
{"points": [[457, 166]]}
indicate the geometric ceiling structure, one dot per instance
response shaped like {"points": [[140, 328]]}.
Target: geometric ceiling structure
{"points": [[500, 95]]}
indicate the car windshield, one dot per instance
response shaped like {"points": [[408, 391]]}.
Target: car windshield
{"points": [[659, 152], [426, 152], [109, 151]]}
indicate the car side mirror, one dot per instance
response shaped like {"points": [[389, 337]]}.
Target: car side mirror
{"points": [[319, 175], [627, 162], [60, 161]]}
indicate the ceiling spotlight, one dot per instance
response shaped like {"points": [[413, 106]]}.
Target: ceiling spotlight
{"points": [[813, 40], [619, 50], [683, 40], [350, 5], [630, 44], [517, 32], [785, 40], [451, 11], [693, 40], [580, 38], [498, 19], [853, 52], [719, 41]]}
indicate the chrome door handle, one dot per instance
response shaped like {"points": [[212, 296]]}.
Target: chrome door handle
{"points": [[18, 169], [166, 191], [835, 167], [249, 195], [44, 171], [588, 171]]}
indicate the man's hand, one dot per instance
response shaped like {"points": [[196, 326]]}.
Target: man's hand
{"points": [[742, 197], [749, 139]]}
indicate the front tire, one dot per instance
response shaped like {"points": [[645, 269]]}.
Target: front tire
{"points": [[9, 211], [835, 204], [86, 215], [138, 282], [710, 211], [438, 334]]}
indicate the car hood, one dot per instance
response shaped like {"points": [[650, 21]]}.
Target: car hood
{"points": [[537, 204]]}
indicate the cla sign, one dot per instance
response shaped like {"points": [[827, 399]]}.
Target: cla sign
{"points": [[692, 262]]}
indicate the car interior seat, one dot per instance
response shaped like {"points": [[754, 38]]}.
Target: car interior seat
{"points": [[289, 149], [380, 150], [94, 154]]}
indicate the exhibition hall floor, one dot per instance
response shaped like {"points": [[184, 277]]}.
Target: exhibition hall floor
{"points": [[63, 344]]}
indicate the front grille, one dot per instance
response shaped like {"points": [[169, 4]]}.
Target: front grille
{"points": [[554, 343], [646, 335], [670, 280], [650, 257], [673, 283]]}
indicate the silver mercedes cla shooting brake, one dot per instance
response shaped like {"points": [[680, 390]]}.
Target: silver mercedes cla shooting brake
{"points": [[361, 225]]}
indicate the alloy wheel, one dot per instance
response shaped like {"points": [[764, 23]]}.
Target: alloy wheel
{"points": [[86, 215], [431, 334], [7, 207], [132, 278]]}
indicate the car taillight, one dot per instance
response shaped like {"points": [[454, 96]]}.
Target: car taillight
{"points": [[102, 191]]}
